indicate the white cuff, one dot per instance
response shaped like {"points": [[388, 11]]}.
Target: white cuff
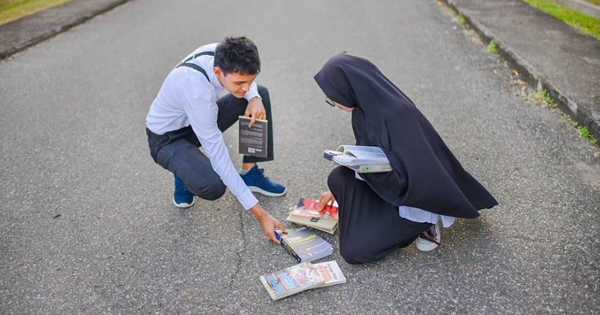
{"points": [[252, 94], [247, 199]]}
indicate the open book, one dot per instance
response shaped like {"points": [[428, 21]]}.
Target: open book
{"points": [[363, 159]]}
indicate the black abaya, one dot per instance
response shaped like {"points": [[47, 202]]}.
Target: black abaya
{"points": [[425, 174], [370, 228]]}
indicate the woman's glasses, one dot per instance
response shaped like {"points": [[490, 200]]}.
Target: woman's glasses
{"points": [[330, 102]]}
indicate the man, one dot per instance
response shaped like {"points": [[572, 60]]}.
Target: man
{"points": [[187, 114]]}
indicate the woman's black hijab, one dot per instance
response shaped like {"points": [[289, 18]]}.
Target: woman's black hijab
{"points": [[425, 173]]}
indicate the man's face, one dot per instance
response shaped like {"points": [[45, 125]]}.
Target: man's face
{"points": [[236, 83]]}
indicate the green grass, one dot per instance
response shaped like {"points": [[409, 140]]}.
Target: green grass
{"points": [[541, 98], [492, 47], [11, 10], [549, 101], [596, 2], [461, 18], [581, 22], [583, 131]]}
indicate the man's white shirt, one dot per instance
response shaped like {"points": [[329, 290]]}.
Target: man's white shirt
{"points": [[188, 98]]}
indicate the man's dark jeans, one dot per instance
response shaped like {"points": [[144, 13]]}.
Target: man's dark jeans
{"points": [[177, 151]]}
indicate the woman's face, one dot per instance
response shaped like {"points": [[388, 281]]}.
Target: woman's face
{"points": [[338, 105], [344, 108]]}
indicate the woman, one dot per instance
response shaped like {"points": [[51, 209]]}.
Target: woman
{"points": [[380, 212]]}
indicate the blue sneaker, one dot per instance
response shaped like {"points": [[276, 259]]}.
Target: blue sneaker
{"points": [[256, 181], [182, 197]]}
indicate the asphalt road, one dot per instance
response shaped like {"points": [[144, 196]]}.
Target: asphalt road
{"points": [[86, 220]]}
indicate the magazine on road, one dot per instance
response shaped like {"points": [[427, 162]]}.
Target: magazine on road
{"points": [[292, 280], [301, 277]]}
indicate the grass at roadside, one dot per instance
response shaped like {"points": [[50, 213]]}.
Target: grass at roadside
{"points": [[596, 2], [11, 10], [581, 22], [542, 98]]}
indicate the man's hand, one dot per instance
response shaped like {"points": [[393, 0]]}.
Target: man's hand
{"points": [[256, 110], [325, 198], [267, 222]]}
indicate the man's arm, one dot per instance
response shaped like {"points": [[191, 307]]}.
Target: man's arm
{"points": [[202, 113]]}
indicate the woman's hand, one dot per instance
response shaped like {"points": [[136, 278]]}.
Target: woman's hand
{"points": [[325, 199]]}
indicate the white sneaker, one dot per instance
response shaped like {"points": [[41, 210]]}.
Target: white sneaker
{"points": [[430, 239]]}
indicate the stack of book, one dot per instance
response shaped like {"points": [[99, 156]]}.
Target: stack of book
{"points": [[302, 277], [306, 213], [306, 246]]}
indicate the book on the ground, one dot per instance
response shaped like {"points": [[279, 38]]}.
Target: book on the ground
{"points": [[308, 208], [301, 277], [328, 226], [331, 273], [305, 245], [363, 159], [292, 280], [253, 141], [306, 213]]}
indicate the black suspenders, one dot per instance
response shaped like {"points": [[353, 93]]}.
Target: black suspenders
{"points": [[194, 66]]}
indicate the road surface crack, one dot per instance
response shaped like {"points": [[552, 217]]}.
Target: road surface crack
{"points": [[238, 264]]}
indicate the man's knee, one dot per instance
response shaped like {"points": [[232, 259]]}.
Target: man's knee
{"points": [[212, 190], [215, 192]]}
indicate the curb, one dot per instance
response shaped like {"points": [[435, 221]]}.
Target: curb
{"points": [[531, 75], [54, 30]]}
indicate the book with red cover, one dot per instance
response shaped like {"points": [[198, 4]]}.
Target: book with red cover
{"points": [[306, 213], [308, 208], [331, 273]]}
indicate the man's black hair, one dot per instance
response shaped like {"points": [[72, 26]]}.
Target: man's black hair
{"points": [[237, 54]]}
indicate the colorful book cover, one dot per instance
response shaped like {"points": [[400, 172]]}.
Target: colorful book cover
{"points": [[308, 208], [331, 273], [292, 280], [305, 245]]}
